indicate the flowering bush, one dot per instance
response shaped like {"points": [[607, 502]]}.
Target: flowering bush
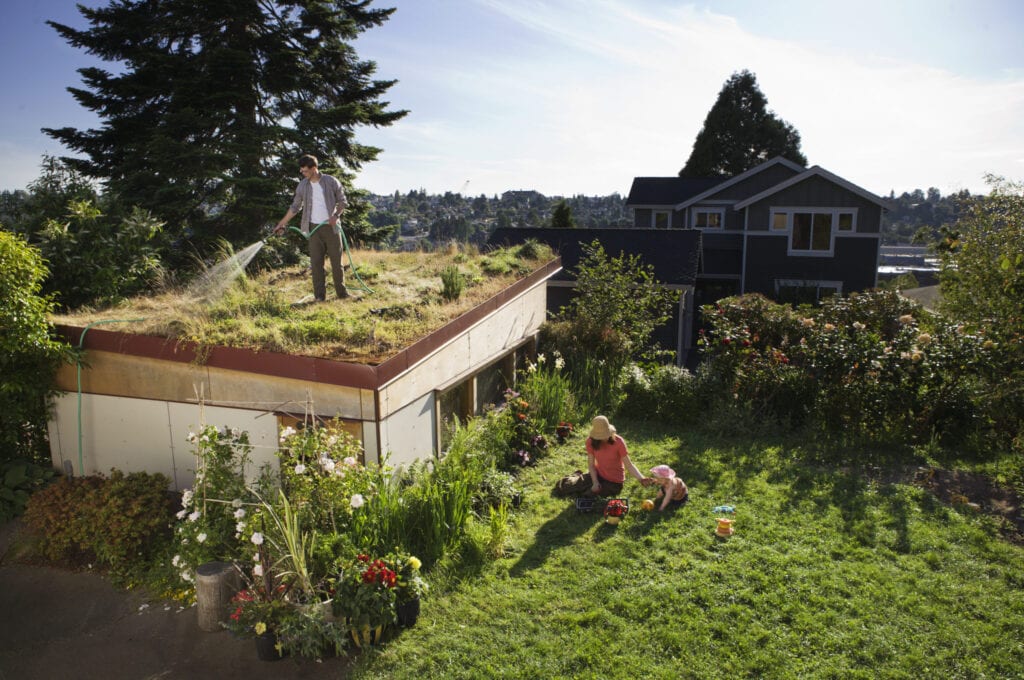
{"points": [[525, 443], [213, 516], [872, 364], [323, 477]]}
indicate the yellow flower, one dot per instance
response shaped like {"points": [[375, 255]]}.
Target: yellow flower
{"points": [[415, 563], [260, 628]]}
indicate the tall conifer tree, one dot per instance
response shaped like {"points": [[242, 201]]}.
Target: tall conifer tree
{"points": [[208, 104], [740, 132]]}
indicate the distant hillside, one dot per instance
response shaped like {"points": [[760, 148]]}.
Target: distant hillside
{"points": [[914, 217]]}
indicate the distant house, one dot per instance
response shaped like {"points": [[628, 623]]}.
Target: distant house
{"points": [[794, 234]]}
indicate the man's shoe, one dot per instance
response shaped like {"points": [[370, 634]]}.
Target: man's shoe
{"points": [[344, 294]]}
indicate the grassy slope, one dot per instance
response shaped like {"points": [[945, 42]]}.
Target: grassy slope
{"points": [[828, 575]]}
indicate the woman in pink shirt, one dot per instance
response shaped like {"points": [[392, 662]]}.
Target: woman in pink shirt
{"points": [[608, 459]]}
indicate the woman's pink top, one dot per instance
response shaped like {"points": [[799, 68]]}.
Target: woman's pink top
{"points": [[608, 458]]}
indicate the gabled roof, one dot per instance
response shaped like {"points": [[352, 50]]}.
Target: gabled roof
{"points": [[666, 191], [778, 160], [814, 171], [674, 253]]}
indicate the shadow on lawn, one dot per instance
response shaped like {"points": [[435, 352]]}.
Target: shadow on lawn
{"points": [[560, 530]]}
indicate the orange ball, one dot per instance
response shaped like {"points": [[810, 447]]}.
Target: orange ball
{"points": [[648, 504]]}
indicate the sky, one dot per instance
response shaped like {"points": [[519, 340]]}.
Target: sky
{"points": [[578, 97]]}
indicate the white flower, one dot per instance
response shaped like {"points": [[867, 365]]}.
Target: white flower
{"points": [[327, 463], [350, 461], [240, 513], [181, 514], [201, 538], [257, 538], [300, 468], [240, 527], [205, 438], [559, 363], [286, 433], [192, 437], [357, 500], [541, 358], [186, 497], [256, 557], [187, 576], [176, 562], [193, 516], [531, 367], [258, 570], [237, 503]]}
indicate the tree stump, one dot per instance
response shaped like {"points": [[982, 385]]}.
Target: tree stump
{"points": [[216, 584]]}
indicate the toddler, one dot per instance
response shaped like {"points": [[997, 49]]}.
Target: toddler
{"points": [[673, 490]]}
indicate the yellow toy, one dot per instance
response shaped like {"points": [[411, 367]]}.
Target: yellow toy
{"points": [[648, 504], [724, 527]]}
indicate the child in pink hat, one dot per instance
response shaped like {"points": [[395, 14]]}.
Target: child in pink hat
{"points": [[673, 490]]}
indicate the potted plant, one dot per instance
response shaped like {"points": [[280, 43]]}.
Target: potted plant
{"points": [[366, 594], [258, 616], [411, 587], [615, 510]]}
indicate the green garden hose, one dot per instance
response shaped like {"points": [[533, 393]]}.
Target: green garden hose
{"points": [[345, 247], [78, 367]]}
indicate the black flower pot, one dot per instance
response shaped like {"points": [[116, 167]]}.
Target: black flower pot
{"points": [[266, 646], [408, 612]]}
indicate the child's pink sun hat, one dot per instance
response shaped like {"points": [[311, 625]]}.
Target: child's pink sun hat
{"points": [[663, 471]]}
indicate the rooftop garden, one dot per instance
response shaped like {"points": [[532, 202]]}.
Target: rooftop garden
{"points": [[396, 299]]}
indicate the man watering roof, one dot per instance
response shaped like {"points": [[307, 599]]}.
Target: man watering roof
{"points": [[322, 201]]}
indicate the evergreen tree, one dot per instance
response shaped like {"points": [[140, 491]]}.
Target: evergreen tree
{"points": [[740, 132], [210, 104], [562, 217]]}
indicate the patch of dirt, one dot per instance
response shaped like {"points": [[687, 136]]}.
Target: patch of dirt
{"points": [[971, 490]]}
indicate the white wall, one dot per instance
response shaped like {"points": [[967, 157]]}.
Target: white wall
{"points": [[145, 435]]}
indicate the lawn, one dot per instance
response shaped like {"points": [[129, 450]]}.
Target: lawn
{"points": [[829, 574]]}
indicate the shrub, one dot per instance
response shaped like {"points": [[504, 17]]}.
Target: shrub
{"points": [[19, 479], [58, 518], [119, 522], [214, 512], [29, 357], [661, 392], [452, 283]]}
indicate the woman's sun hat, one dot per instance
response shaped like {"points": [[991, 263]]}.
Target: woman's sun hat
{"points": [[663, 471], [600, 428]]}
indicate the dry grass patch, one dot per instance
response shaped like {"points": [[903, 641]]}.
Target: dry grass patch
{"points": [[270, 311]]}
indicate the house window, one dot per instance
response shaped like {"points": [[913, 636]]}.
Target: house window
{"points": [[708, 219], [799, 291], [661, 219], [812, 230]]}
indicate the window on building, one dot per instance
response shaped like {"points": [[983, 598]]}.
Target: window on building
{"points": [[812, 230], [454, 404], [661, 219], [704, 218], [798, 291]]}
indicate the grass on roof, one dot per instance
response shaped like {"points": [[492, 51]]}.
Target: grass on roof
{"points": [[272, 310]]}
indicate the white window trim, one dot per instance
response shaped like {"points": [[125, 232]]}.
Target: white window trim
{"points": [[833, 230], [654, 218], [704, 209]]}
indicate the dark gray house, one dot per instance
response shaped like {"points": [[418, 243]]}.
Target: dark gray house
{"points": [[794, 234]]}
